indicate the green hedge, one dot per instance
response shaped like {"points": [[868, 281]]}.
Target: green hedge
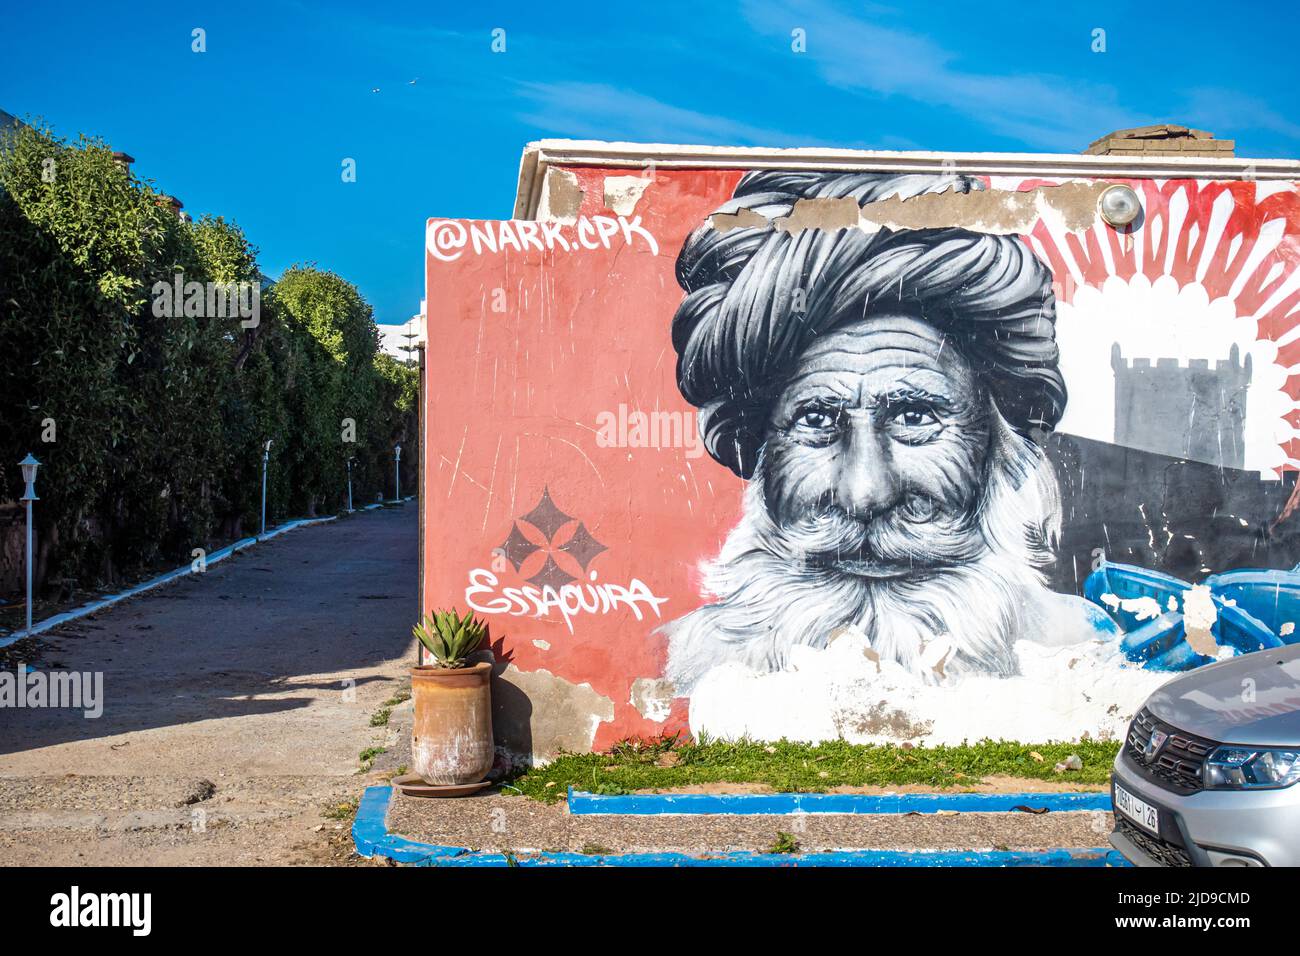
{"points": [[158, 421]]}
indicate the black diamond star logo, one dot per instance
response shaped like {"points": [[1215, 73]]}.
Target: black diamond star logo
{"points": [[517, 547], [546, 517], [551, 575], [583, 547]]}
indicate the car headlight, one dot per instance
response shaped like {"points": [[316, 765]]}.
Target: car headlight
{"points": [[1242, 768]]}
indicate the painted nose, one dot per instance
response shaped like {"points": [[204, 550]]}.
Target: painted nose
{"points": [[867, 483]]}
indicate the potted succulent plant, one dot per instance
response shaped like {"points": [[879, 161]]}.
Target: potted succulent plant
{"points": [[451, 740]]}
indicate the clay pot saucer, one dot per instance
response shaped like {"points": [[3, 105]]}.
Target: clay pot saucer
{"points": [[413, 785]]}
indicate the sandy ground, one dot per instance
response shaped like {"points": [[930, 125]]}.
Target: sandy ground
{"points": [[236, 706]]}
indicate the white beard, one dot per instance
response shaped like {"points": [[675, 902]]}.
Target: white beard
{"points": [[939, 623]]}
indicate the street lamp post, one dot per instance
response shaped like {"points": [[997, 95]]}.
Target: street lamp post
{"points": [[29, 466], [397, 472], [350, 460], [266, 458]]}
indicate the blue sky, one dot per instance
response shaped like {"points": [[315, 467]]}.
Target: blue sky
{"points": [[257, 127]]}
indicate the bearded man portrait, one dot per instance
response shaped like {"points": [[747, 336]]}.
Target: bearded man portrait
{"points": [[885, 394]]}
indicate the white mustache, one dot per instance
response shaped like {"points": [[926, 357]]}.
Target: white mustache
{"points": [[915, 534]]}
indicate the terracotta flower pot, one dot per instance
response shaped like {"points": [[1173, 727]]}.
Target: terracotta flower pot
{"points": [[451, 740]]}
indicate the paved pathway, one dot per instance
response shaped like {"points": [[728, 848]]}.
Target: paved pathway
{"points": [[236, 705]]}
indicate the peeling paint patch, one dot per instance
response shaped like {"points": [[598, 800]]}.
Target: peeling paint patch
{"points": [[535, 714], [622, 193], [881, 719], [998, 211], [741, 219], [1144, 608], [935, 653], [542, 645], [1199, 616], [840, 692], [820, 214], [848, 630], [561, 197], [653, 697], [1072, 206]]}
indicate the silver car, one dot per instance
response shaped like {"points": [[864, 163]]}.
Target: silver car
{"points": [[1207, 774]]}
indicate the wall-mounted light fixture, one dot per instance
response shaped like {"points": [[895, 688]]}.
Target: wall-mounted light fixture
{"points": [[1119, 206]]}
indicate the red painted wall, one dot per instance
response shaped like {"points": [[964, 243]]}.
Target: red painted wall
{"points": [[513, 401], [529, 347]]}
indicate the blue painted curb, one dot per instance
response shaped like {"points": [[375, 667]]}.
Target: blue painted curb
{"points": [[371, 837], [98, 605], [639, 804]]}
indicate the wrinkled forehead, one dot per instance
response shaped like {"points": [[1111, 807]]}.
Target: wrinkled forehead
{"points": [[861, 361]]}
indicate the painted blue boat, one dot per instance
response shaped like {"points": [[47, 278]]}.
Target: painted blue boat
{"points": [[1126, 582], [1263, 603], [1153, 640], [1253, 610]]}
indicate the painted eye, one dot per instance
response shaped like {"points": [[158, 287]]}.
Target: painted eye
{"points": [[916, 417], [818, 418]]}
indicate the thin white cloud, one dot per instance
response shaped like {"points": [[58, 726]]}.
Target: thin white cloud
{"points": [[1046, 112], [600, 111], [1220, 110]]}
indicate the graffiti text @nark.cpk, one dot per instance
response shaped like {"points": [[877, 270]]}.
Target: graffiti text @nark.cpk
{"points": [[446, 239]]}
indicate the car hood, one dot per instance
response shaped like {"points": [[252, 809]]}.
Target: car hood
{"points": [[1253, 699]]}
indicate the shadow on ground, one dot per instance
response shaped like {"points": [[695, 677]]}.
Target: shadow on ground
{"points": [[270, 630]]}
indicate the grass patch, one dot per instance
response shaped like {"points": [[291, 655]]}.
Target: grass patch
{"points": [[401, 697], [784, 843], [787, 767], [367, 757], [342, 811], [380, 717]]}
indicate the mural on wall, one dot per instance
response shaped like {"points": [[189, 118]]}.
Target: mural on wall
{"points": [[883, 394], [842, 477]]}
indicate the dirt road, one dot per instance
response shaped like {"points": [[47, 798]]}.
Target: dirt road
{"points": [[236, 706]]}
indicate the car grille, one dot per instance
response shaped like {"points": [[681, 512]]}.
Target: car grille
{"points": [[1163, 852], [1177, 765]]}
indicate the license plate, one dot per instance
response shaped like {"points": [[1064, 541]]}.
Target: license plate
{"points": [[1141, 813]]}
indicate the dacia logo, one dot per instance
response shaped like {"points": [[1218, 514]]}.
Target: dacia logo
{"points": [[1158, 738]]}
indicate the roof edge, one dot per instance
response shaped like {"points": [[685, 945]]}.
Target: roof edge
{"points": [[539, 155]]}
